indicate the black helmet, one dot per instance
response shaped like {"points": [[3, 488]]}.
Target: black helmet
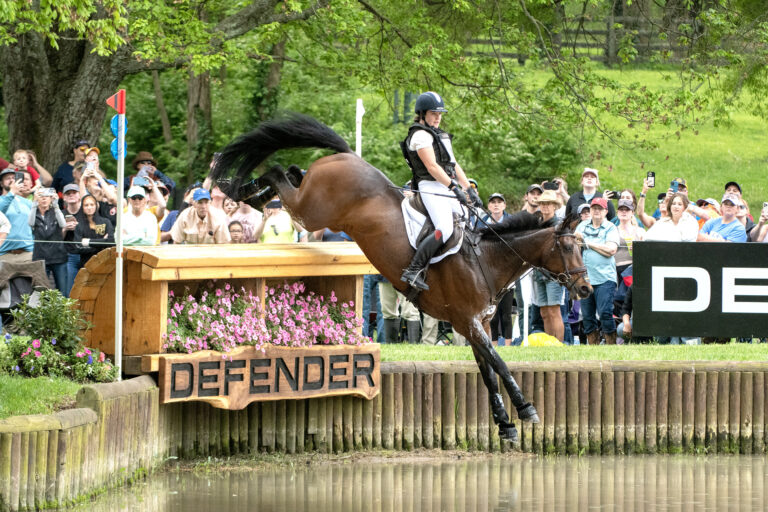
{"points": [[429, 101]]}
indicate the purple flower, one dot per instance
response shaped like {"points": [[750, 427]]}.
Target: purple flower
{"points": [[53, 341], [16, 368], [90, 359], [7, 337]]}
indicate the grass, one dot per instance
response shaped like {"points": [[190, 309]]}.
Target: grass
{"points": [[729, 352], [42, 395]]}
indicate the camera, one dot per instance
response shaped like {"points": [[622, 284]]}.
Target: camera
{"points": [[614, 194], [674, 186], [651, 179], [550, 185]]}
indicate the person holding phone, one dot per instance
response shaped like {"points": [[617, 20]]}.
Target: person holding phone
{"points": [[198, 225], [71, 210], [277, 226], [19, 244], [48, 223], [145, 166], [589, 182]]}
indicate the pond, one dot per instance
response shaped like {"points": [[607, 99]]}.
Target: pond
{"points": [[415, 483]]}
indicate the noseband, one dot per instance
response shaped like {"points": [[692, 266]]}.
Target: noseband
{"points": [[564, 278]]}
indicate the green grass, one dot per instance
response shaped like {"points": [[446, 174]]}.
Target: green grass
{"points": [[42, 395], [729, 352]]}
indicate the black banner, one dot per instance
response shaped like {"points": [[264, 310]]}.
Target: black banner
{"points": [[700, 289]]}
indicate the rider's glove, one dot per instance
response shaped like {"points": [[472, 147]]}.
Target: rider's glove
{"points": [[458, 192], [475, 198]]}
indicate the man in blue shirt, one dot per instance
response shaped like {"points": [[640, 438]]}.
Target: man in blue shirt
{"points": [[600, 240], [19, 244], [726, 228]]}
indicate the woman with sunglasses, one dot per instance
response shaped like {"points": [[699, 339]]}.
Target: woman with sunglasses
{"points": [[93, 232]]}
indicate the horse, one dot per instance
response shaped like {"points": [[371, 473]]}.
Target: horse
{"points": [[343, 192]]}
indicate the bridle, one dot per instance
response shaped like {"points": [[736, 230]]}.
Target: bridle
{"points": [[565, 278]]}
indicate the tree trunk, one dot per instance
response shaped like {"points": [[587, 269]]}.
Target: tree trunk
{"points": [[53, 97], [162, 112], [199, 124]]}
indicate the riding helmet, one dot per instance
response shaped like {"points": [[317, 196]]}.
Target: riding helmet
{"points": [[429, 101]]}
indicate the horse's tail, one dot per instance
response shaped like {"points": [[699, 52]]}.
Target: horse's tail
{"points": [[293, 131]]}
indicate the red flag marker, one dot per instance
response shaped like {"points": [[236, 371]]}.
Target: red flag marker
{"points": [[117, 101]]}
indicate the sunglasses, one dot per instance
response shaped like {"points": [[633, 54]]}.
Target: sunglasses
{"points": [[137, 198]]}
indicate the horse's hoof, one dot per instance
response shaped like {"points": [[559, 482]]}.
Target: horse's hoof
{"points": [[509, 434], [528, 413]]}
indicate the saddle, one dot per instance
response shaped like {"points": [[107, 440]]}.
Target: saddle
{"points": [[418, 225]]}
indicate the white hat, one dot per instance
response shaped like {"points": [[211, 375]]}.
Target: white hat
{"points": [[136, 191]]}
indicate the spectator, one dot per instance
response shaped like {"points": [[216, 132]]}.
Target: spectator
{"points": [[19, 244], [743, 215], [71, 196], [63, 175], [711, 209], [170, 219], [230, 206], [165, 194], [395, 306], [5, 228], [761, 228], [236, 232], [156, 204], [250, 218], [600, 240], [584, 212], [531, 198], [371, 304], [328, 235], [734, 188], [92, 182], [726, 228], [24, 159], [139, 227], [503, 320], [47, 223], [146, 166], [550, 295], [198, 225], [589, 183], [277, 226], [93, 232], [562, 191], [27, 187], [629, 232], [676, 224]]}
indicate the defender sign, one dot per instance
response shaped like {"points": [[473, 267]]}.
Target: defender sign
{"points": [[247, 374], [700, 289]]}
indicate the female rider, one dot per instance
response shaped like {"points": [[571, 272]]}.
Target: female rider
{"points": [[436, 175]]}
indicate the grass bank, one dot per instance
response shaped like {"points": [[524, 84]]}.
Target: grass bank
{"points": [[42, 395]]}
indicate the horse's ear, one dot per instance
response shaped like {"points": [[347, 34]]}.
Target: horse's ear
{"points": [[569, 223]]}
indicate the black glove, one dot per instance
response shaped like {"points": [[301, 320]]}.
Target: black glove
{"points": [[475, 198], [458, 192]]}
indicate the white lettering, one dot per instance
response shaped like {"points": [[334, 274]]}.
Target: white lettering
{"points": [[703, 291], [731, 290]]}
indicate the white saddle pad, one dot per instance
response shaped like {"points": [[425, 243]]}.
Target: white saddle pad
{"points": [[414, 221]]}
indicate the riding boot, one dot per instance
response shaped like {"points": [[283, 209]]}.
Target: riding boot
{"points": [[593, 338], [610, 338], [414, 336], [391, 328], [415, 274]]}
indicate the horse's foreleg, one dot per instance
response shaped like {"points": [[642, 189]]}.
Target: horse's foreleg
{"points": [[482, 344], [507, 430]]}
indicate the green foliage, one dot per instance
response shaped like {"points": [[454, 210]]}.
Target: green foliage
{"points": [[55, 317]]}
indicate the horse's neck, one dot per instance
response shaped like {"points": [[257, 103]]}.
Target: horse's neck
{"points": [[517, 255]]}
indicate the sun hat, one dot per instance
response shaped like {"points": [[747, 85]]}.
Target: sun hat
{"points": [[549, 196]]}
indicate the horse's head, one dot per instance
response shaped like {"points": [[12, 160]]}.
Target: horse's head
{"points": [[561, 258]]}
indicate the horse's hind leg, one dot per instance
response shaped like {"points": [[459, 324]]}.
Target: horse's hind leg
{"points": [[507, 430], [295, 176]]}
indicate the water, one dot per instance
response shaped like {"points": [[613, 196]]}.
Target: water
{"points": [[492, 483]]}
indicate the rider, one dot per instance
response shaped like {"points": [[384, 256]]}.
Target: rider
{"points": [[437, 175]]}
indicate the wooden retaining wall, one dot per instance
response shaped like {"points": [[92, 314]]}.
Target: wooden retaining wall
{"points": [[585, 408]]}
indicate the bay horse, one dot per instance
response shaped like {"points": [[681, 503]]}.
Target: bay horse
{"points": [[345, 193]]}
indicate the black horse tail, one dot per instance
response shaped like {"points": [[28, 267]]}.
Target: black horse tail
{"points": [[294, 131]]}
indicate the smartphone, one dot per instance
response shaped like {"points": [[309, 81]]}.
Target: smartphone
{"points": [[674, 185], [143, 172], [18, 176], [69, 218], [651, 179]]}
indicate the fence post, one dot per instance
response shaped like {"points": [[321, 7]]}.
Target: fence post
{"points": [[610, 42]]}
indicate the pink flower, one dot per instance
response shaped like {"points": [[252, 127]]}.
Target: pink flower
{"points": [[37, 353], [102, 356], [36, 343]]}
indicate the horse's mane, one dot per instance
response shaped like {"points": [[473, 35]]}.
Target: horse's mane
{"points": [[516, 223]]}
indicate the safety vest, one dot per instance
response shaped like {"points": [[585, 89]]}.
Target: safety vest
{"points": [[441, 142]]}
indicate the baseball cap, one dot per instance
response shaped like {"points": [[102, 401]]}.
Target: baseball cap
{"points": [[626, 203], [81, 142], [200, 194], [534, 187], [732, 198], [588, 170], [70, 188], [734, 184], [496, 195], [581, 208], [136, 191], [7, 170], [97, 150], [599, 201], [681, 181]]}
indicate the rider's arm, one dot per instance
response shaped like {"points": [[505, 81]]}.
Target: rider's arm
{"points": [[461, 177]]}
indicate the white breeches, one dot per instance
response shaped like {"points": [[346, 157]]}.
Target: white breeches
{"points": [[441, 203]]}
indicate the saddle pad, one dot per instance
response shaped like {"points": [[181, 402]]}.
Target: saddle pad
{"points": [[414, 222]]}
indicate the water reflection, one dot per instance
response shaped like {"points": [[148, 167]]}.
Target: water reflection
{"points": [[494, 483]]}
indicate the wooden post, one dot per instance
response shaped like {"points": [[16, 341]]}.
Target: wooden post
{"points": [[368, 424], [640, 412], [675, 415], [321, 439], [471, 404], [338, 424], [532, 435], [723, 391], [448, 394], [398, 425], [427, 411], [619, 420], [290, 426], [407, 400], [689, 403], [461, 409], [188, 432], [301, 426], [268, 418], [630, 439], [561, 404], [357, 421], [52, 466], [583, 412], [651, 408], [595, 408], [281, 421], [758, 417], [572, 413], [377, 419], [418, 404], [388, 411], [6, 441], [734, 413], [700, 412], [550, 394], [662, 412], [242, 426], [607, 414], [347, 418], [710, 439], [483, 437], [745, 429]]}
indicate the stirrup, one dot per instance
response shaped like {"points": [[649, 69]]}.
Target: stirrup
{"points": [[415, 280]]}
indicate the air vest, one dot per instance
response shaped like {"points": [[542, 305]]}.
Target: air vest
{"points": [[442, 154]]}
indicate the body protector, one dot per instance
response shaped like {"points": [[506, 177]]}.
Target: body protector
{"points": [[443, 154]]}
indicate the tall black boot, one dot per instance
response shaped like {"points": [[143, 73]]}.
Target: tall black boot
{"points": [[391, 330], [415, 274], [414, 336]]}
